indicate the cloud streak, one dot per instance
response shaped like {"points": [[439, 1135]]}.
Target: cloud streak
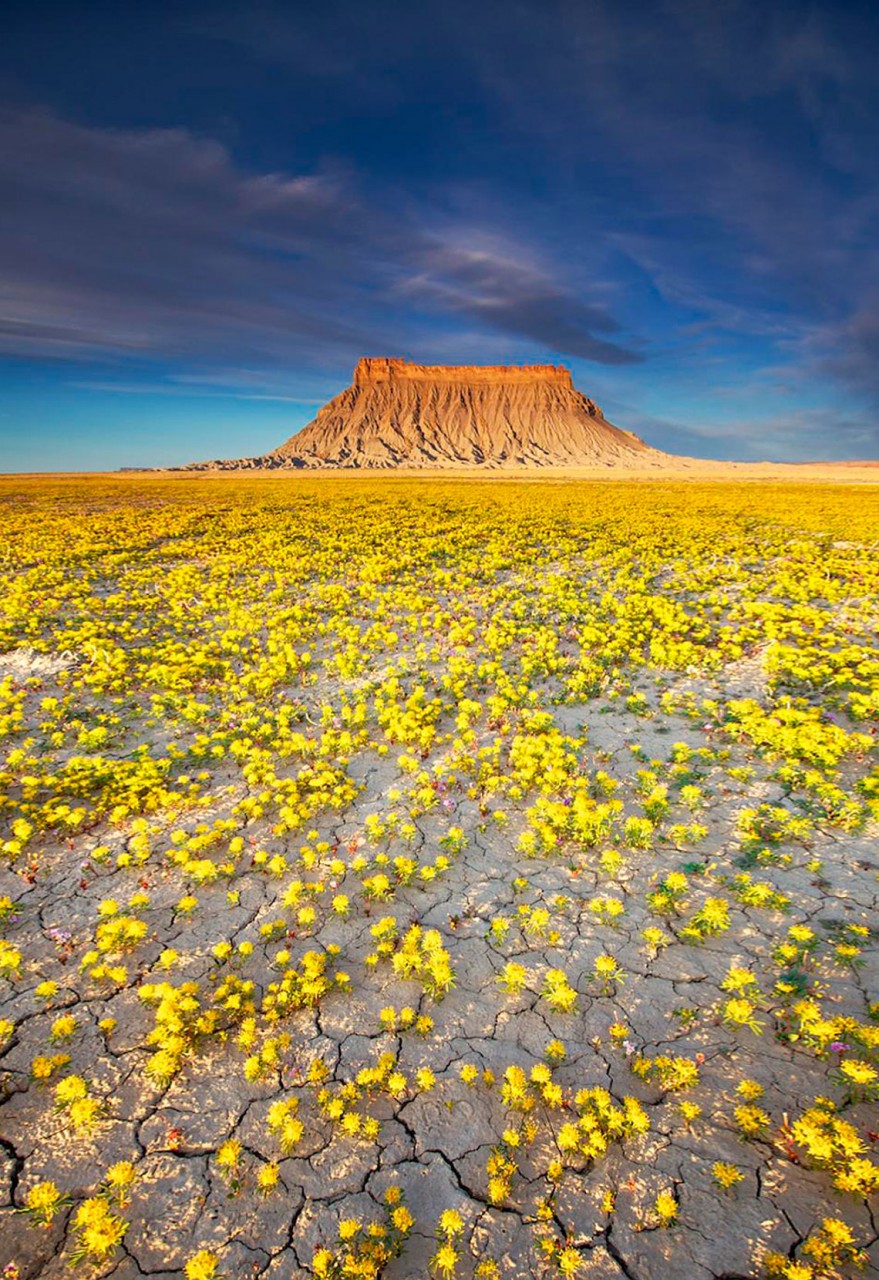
{"points": [[737, 143], [153, 243], [497, 290]]}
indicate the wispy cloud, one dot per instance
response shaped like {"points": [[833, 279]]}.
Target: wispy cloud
{"points": [[154, 243], [819, 435], [513, 297], [153, 388], [730, 146]]}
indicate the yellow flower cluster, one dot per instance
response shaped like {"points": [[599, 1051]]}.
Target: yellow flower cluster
{"points": [[247, 716], [363, 1249]]}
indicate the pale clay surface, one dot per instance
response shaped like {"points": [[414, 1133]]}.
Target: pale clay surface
{"points": [[436, 1144]]}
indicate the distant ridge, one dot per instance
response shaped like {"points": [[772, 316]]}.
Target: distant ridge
{"points": [[398, 414]]}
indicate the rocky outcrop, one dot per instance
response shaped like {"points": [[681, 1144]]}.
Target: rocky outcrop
{"points": [[397, 414], [372, 369]]}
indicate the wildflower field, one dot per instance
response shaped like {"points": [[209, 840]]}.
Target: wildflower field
{"points": [[408, 878]]}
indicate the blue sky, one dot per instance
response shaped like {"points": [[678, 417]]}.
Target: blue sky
{"points": [[208, 213]]}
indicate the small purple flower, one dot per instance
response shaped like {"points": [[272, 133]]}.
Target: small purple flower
{"points": [[839, 1047]]}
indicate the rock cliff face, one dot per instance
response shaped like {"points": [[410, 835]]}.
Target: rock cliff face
{"points": [[397, 414], [372, 369]]}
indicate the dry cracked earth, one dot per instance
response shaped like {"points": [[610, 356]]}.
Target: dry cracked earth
{"points": [[561, 1210]]}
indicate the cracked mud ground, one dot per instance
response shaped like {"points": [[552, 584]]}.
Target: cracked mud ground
{"points": [[512, 845]]}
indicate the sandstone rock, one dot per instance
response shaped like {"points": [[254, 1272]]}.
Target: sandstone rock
{"points": [[397, 414]]}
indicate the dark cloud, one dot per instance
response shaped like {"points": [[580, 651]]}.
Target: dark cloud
{"points": [[154, 242], [512, 297], [734, 146], [112, 242]]}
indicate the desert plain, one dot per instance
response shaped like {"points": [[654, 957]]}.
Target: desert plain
{"points": [[450, 876]]}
